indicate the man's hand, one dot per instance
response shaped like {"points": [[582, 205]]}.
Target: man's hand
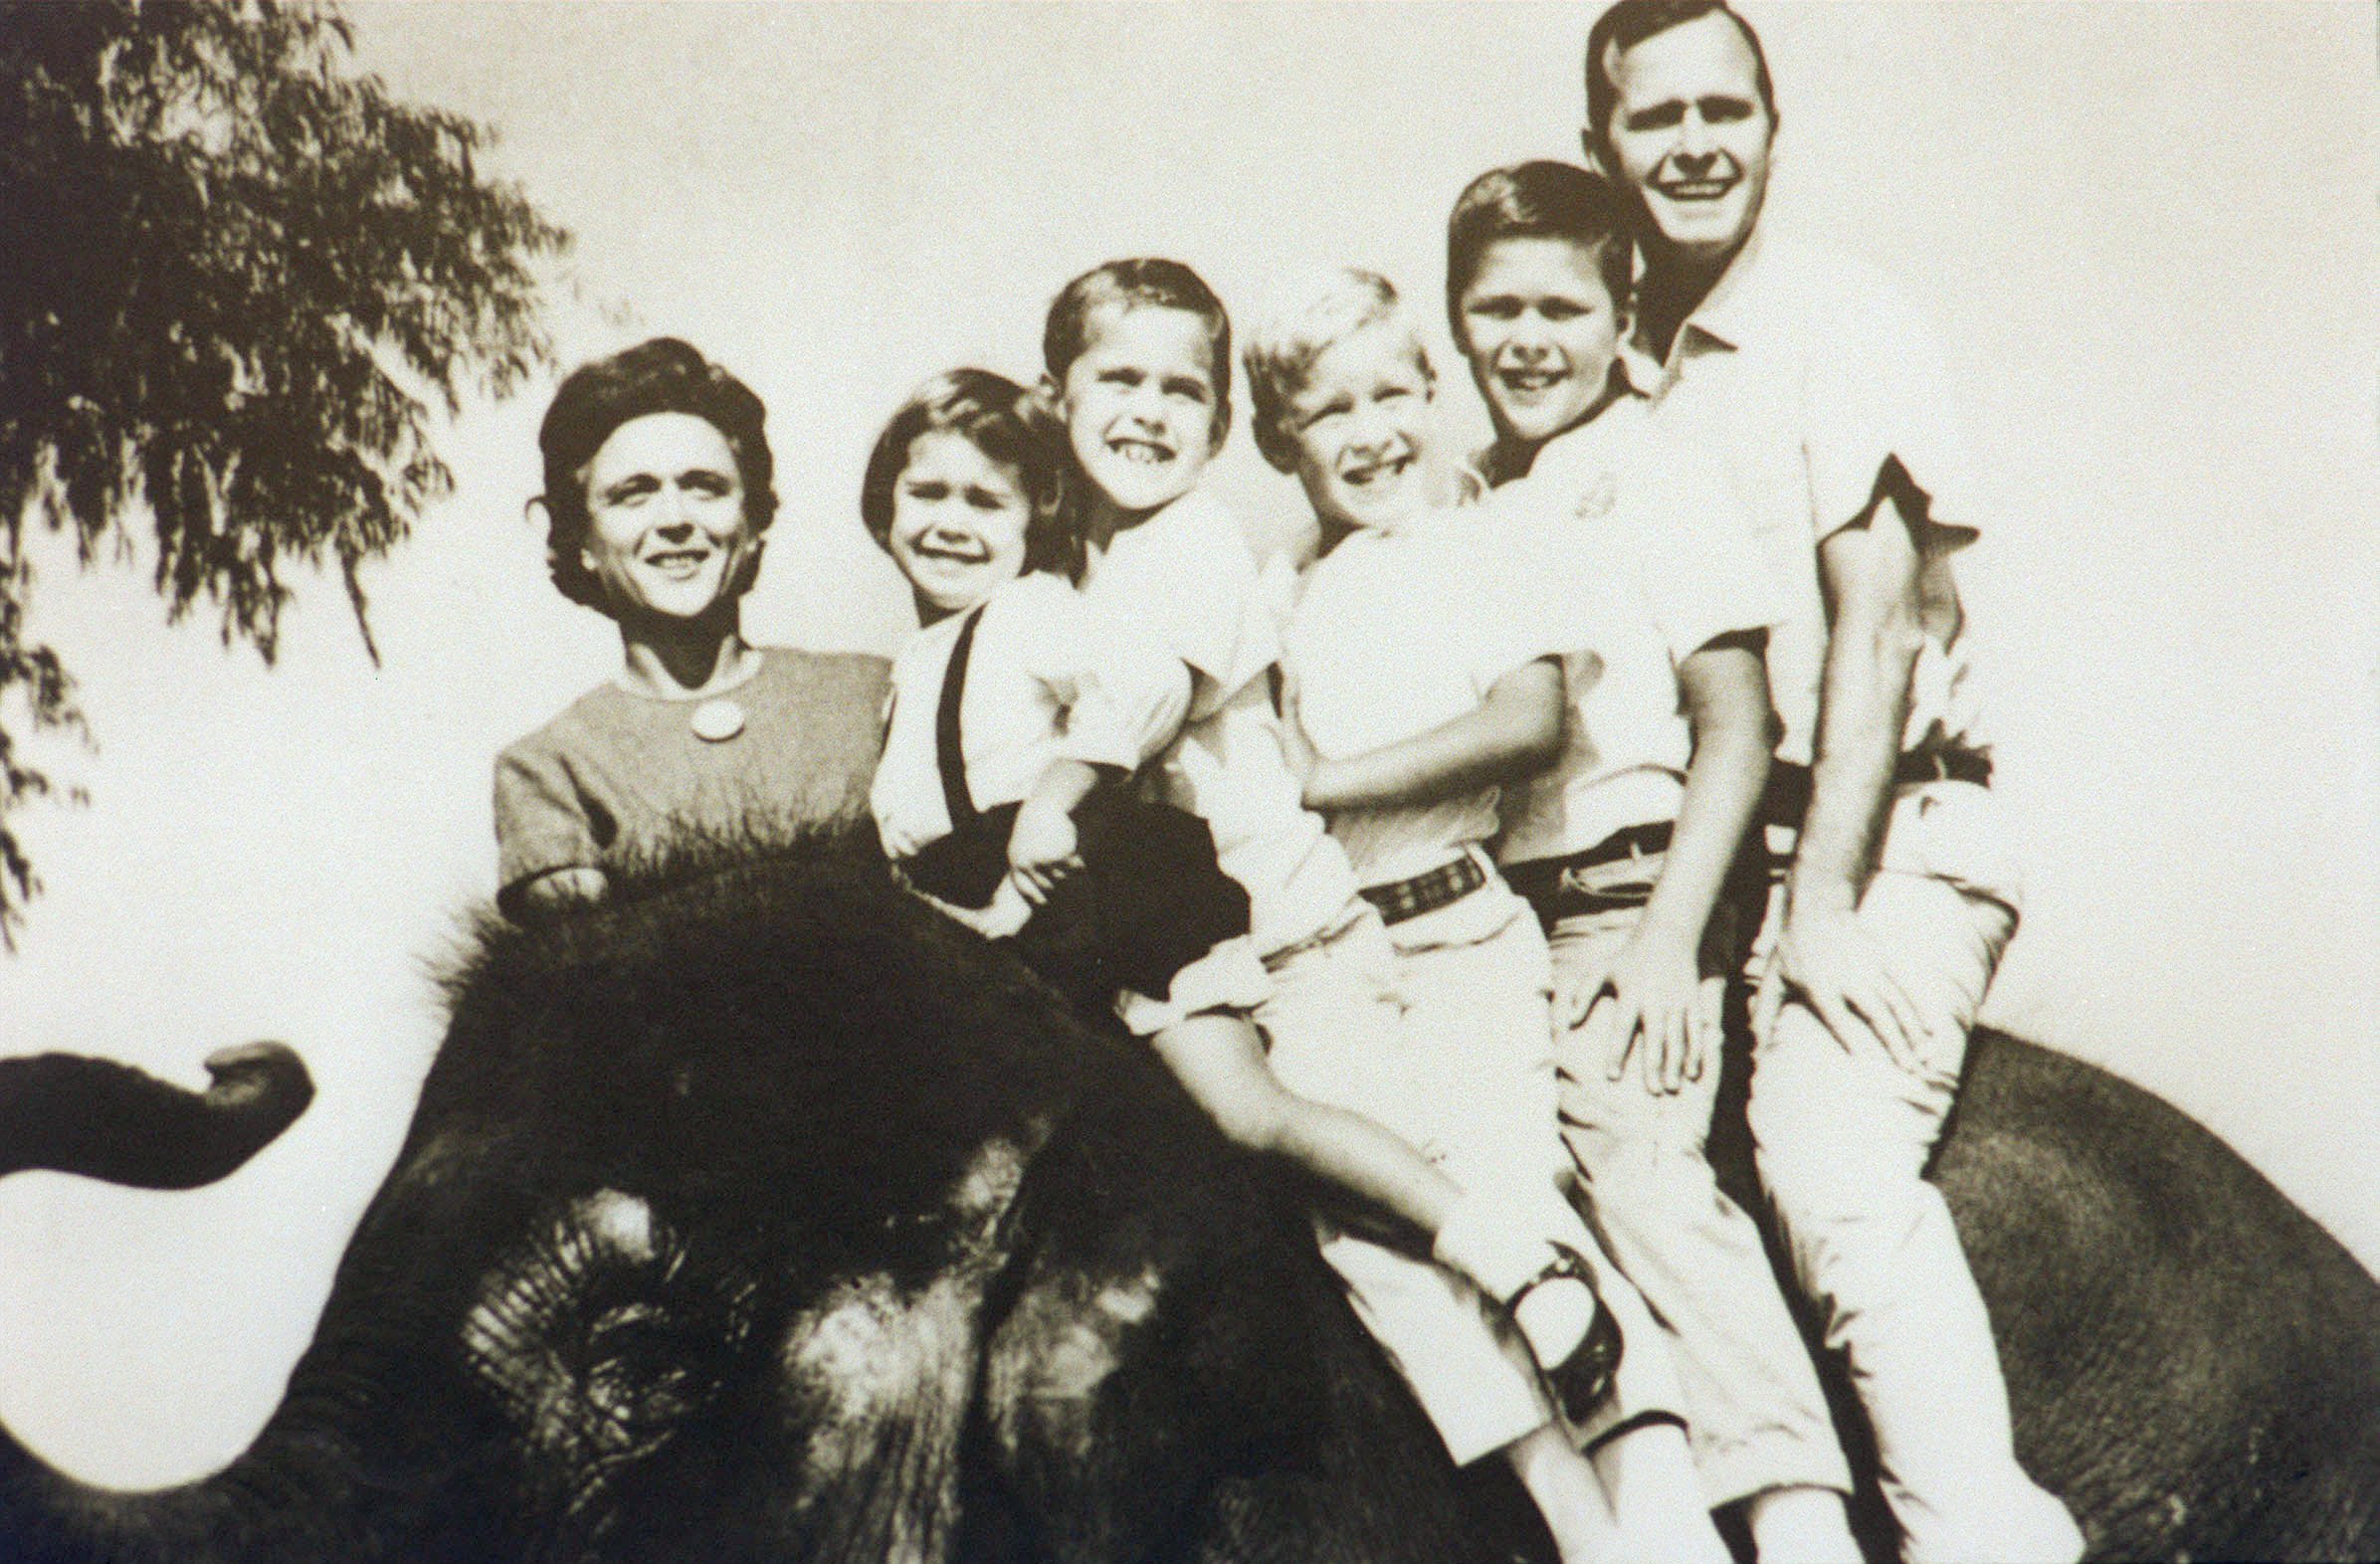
{"points": [[1043, 849], [1654, 1004], [1835, 966]]}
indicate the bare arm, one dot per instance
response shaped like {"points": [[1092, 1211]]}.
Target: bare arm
{"points": [[1871, 578], [1656, 985], [1725, 687], [1517, 729], [1042, 846], [1871, 575]]}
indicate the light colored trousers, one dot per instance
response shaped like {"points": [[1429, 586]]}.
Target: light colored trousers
{"points": [[1450, 1046], [1758, 1419], [1842, 1135]]}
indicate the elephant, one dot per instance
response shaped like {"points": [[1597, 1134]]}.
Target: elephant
{"points": [[761, 1213]]}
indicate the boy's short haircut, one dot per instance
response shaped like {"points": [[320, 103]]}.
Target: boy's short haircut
{"points": [[1536, 200], [1143, 280], [661, 375], [1006, 423], [1308, 318], [1629, 22]]}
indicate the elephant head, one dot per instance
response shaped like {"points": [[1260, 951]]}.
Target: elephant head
{"points": [[762, 1214], [765, 1214]]}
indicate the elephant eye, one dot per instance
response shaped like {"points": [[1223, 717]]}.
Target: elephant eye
{"points": [[654, 1361], [601, 1336]]}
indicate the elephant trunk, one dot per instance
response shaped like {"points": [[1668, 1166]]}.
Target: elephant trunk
{"points": [[49, 1518], [109, 1121]]}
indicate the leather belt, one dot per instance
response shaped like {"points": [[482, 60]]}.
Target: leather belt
{"points": [[1444, 886], [1542, 881], [1787, 799]]}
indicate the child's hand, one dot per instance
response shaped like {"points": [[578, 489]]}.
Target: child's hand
{"points": [[1006, 913], [998, 919], [1655, 1004], [1043, 849]]}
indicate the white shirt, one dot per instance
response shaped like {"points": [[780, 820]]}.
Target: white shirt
{"points": [[1395, 634], [1641, 556], [1186, 578], [1046, 680], [1804, 371]]}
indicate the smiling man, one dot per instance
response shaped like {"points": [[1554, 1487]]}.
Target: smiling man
{"points": [[1826, 399]]}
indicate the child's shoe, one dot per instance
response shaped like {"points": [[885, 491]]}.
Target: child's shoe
{"points": [[1549, 1290]]}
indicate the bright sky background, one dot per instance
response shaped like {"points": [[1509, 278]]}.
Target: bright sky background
{"points": [[2149, 237]]}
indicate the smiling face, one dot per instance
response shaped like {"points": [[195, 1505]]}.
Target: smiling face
{"points": [[1539, 327], [667, 533], [959, 522], [1139, 404], [1691, 134], [1358, 429]]}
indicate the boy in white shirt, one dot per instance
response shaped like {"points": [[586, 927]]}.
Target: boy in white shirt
{"points": [[1624, 844], [1418, 678]]}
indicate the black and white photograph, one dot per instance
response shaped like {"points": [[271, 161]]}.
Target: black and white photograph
{"points": [[1538, 783]]}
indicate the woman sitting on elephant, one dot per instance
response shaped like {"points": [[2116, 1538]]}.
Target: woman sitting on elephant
{"points": [[658, 493]]}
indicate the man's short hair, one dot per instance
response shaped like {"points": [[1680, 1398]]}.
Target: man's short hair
{"points": [[1143, 280], [661, 375], [1629, 22], [1540, 199], [1306, 318], [1007, 424]]}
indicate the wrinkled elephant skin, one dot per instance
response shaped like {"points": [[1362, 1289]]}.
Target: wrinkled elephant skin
{"points": [[764, 1215]]}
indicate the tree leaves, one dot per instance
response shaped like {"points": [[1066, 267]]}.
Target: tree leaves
{"points": [[240, 279]]}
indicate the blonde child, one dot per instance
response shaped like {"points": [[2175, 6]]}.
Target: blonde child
{"points": [[1418, 681], [1137, 356]]}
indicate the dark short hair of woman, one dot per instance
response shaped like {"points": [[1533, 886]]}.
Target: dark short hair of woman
{"points": [[661, 375]]}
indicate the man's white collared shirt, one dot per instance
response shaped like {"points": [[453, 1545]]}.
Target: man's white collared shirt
{"points": [[1804, 371]]}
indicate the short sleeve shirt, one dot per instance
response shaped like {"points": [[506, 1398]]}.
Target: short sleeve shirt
{"points": [[619, 777], [1811, 378], [1046, 681], [1187, 577], [1395, 634], [1640, 556]]}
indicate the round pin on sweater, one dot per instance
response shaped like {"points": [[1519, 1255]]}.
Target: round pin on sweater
{"points": [[717, 720]]}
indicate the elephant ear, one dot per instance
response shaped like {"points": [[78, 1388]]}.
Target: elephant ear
{"points": [[602, 1344], [878, 1370], [1177, 1375], [1137, 1367]]}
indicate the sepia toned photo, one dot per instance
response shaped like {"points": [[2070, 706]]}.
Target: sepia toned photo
{"points": [[1361, 781]]}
